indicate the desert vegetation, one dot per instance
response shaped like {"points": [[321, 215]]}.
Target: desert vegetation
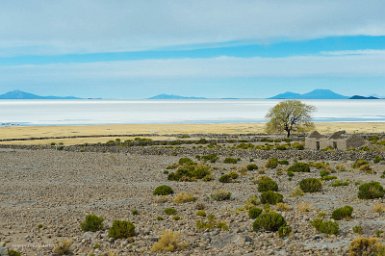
{"points": [[231, 195]]}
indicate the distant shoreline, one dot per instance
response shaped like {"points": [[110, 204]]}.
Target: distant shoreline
{"points": [[103, 133]]}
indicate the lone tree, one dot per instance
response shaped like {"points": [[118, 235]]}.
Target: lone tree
{"points": [[289, 116]]}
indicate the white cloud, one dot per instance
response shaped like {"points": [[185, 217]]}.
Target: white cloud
{"points": [[354, 52], [97, 25], [215, 68]]}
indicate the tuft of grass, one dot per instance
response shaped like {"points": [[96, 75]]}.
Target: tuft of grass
{"points": [[304, 207], [229, 177], [283, 207], [170, 211], [297, 192], [221, 195], [340, 183], [272, 163], [13, 253], [379, 208], [92, 223], [230, 160], [63, 247], [184, 197], [169, 241], [358, 230], [359, 163], [299, 167], [201, 213], [362, 246], [252, 167], [211, 223]]}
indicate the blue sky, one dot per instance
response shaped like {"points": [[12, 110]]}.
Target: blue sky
{"points": [[243, 48]]}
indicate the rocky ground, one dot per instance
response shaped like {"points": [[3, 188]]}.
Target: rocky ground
{"points": [[45, 194]]}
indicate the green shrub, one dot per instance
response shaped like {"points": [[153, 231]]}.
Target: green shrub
{"points": [[326, 227], [163, 190], [211, 223], [366, 168], [310, 185], [324, 173], [298, 146], [92, 223], [299, 167], [121, 229], [284, 231], [186, 161], [265, 184], [360, 162], [221, 195], [201, 213], [13, 253], [329, 177], [370, 190], [252, 167], [366, 246], [254, 212], [272, 163], [271, 197], [230, 160], [290, 174], [269, 221], [191, 172], [342, 213], [170, 211], [229, 177], [212, 158], [377, 159], [340, 183], [358, 230], [283, 162]]}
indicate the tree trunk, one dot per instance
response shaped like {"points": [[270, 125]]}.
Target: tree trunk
{"points": [[288, 133]]}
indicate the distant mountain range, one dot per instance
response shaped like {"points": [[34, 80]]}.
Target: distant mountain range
{"points": [[21, 95], [319, 94], [315, 94], [174, 97]]}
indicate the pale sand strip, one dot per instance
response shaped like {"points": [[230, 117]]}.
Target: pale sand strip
{"points": [[160, 129]]}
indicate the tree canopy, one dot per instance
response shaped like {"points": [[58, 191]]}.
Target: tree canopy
{"points": [[290, 116]]}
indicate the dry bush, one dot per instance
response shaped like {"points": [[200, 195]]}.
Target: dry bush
{"points": [[379, 208], [304, 207], [366, 246], [63, 247], [161, 199], [184, 197], [283, 207], [169, 241], [297, 192]]}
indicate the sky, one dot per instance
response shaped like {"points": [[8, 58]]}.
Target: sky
{"points": [[217, 48]]}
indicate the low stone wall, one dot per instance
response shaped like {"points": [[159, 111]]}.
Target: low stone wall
{"points": [[312, 155]]}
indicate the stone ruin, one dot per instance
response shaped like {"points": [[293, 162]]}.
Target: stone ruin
{"points": [[338, 140]]}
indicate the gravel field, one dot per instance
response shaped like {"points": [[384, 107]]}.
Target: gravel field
{"points": [[46, 194]]}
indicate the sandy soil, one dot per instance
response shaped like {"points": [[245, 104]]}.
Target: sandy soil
{"points": [[159, 129], [45, 194]]}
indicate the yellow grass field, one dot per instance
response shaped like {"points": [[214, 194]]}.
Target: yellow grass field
{"points": [[121, 131]]}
